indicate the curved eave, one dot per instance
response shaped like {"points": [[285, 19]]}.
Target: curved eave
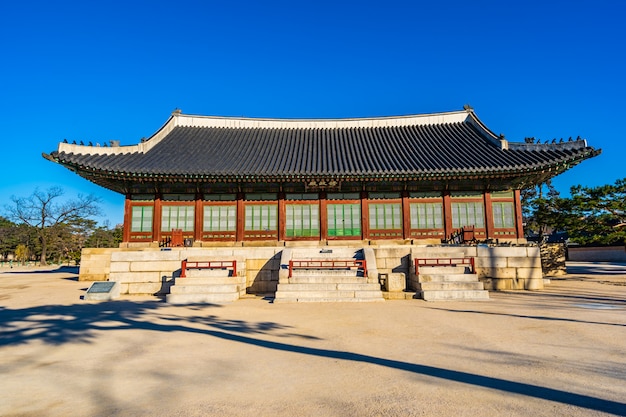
{"points": [[485, 173]]}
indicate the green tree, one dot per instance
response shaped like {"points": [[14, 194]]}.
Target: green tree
{"points": [[105, 237], [48, 214], [595, 215], [540, 209]]}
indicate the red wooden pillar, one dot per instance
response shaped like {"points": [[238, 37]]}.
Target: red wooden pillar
{"points": [[282, 217], [156, 224], [365, 224], [128, 214], [519, 222], [323, 216], [241, 218], [199, 219], [488, 215], [447, 214], [406, 216]]}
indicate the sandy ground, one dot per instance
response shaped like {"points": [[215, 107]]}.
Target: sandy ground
{"points": [[561, 351]]}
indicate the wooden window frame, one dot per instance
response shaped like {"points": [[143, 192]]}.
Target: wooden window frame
{"points": [[340, 202], [503, 232], [283, 224], [140, 236], [222, 235], [256, 235], [187, 234], [480, 233], [427, 233], [381, 234]]}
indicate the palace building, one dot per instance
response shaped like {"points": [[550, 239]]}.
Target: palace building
{"points": [[415, 177], [204, 181]]}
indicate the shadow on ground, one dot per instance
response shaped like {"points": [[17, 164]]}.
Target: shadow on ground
{"points": [[82, 323]]}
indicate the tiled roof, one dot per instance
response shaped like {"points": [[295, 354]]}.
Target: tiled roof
{"points": [[454, 144]]}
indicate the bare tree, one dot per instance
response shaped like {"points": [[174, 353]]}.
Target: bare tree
{"points": [[46, 212]]}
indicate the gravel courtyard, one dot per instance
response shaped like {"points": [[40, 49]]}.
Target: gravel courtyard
{"points": [[561, 351]]}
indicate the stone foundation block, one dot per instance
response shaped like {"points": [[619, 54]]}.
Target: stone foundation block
{"points": [[392, 252], [93, 277], [529, 273], [533, 251], [155, 266], [137, 276], [396, 281], [119, 267], [491, 262], [148, 255], [534, 284], [502, 252], [507, 273], [524, 262], [144, 288]]}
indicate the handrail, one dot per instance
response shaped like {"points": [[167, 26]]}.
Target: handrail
{"points": [[207, 265], [328, 264], [444, 262]]}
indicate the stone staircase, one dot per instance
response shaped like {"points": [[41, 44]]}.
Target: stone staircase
{"points": [[205, 286], [326, 284], [449, 283]]}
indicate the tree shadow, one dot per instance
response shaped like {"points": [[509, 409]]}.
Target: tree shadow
{"points": [[59, 324], [526, 316], [596, 268], [61, 269]]}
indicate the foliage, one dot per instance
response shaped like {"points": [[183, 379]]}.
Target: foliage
{"points": [[50, 217], [540, 207], [591, 216], [22, 253], [105, 237], [596, 215]]}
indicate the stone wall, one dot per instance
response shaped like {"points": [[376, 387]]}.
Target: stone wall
{"points": [[597, 254], [509, 267], [553, 259], [152, 270]]}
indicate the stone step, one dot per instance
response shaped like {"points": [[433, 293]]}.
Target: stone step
{"points": [[207, 281], [448, 277], [458, 295], [204, 289], [328, 295], [451, 286], [216, 298], [199, 273], [434, 253], [305, 299], [329, 287], [332, 272], [438, 270], [313, 279]]}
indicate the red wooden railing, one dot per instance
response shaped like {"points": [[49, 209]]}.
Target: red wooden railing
{"points": [[207, 265], [329, 264], [443, 262]]}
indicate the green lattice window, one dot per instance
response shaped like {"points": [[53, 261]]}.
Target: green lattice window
{"points": [[344, 220], [177, 217], [220, 218], [503, 215], [426, 215], [261, 217], [302, 220], [141, 219], [468, 214], [385, 216]]}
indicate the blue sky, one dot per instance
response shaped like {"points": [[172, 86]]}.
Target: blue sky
{"points": [[100, 71]]}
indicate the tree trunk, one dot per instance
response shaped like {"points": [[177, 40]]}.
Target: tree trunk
{"points": [[42, 258]]}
